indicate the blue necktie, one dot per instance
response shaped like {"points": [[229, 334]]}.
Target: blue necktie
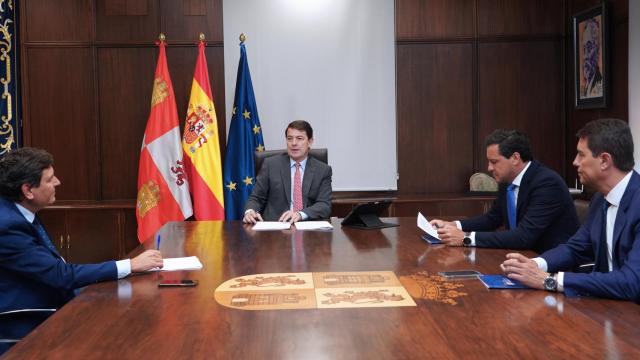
{"points": [[511, 206], [602, 262], [43, 235]]}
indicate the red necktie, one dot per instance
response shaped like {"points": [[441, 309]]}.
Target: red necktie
{"points": [[297, 189]]}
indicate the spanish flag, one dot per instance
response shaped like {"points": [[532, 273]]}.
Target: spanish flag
{"points": [[163, 190], [201, 146]]}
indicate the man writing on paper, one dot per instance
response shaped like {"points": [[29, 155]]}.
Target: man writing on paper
{"points": [[32, 272], [611, 235], [291, 187], [533, 203]]}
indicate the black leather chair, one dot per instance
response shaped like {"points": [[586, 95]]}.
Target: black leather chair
{"points": [[16, 324], [582, 209], [259, 156]]}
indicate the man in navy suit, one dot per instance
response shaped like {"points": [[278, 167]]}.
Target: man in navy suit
{"points": [[611, 235], [32, 272], [533, 203]]}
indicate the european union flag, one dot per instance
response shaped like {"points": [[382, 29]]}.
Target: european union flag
{"points": [[245, 137]]}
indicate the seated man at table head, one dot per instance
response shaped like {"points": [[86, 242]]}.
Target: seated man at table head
{"points": [[610, 237], [33, 275], [533, 204], [291, 187]]}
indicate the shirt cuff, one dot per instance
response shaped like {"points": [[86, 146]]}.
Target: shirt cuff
{"points": [[542, 263], [472, 236], [303, 216], [246, 211], [560, 280], [124, 268], [458, 224]]}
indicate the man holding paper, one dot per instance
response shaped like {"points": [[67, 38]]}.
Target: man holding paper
{"points": [[533, 203], [611, 235], [32, 272], [291, 187]]}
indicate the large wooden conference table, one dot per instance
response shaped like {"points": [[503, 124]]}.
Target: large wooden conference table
{"points": [[133, 318]]}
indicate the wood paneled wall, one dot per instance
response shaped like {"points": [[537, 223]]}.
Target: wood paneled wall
{"points": [[87, 75], [618, 75], [464, 68], [467, 67]]}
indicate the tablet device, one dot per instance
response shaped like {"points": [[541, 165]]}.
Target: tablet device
{"points": [[367, 216]]}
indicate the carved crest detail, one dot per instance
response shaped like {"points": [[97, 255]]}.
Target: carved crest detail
{"points": [[269, 281]]}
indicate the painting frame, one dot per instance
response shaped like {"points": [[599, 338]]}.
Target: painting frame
{"points": [[591, 57]]}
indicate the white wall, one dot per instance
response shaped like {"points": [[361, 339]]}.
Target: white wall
{"points": [[634, 76], [330, 62]]}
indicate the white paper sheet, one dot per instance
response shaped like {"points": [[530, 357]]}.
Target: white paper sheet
{"points": [[423, 224], [182, 263], [313, 225], [271, 225]]}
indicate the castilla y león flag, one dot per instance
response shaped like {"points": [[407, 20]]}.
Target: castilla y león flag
{"points": [[202, 147], [163, 190]]}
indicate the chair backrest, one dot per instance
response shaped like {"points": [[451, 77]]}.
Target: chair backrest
{"points": [[15, 324], [483, 183], [259, 156], [582, 209]]}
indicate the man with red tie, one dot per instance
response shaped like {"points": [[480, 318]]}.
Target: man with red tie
{"points": [[294, 186]]}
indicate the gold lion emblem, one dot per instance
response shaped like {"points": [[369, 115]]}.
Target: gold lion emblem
{"points": [[148, 197]]}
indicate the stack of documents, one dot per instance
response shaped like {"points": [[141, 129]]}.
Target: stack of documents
{"points": [[182, 263], [313, 225], [271, 225]]}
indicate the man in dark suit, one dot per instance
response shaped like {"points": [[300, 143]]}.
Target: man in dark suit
{"points": [[32, 272], [291, 187], [611, 234], [533, 203]]}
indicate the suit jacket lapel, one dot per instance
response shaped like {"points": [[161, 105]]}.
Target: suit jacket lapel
{"points": [[45, 242], [285, 172], [621, 216], [523, 191], [307, 179]]}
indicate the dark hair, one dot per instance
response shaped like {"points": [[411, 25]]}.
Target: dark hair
{"points": [[22, 166], [300, 125], [509, 142], [612, 136]]}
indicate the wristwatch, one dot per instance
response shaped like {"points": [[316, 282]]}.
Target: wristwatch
{"points": [[466, 241], [551, 283]]}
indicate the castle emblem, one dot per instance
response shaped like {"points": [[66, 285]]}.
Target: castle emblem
{"points": [[148, 197], [160, 91]]}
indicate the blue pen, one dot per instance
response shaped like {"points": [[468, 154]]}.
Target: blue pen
{"points": [[158, 242]]}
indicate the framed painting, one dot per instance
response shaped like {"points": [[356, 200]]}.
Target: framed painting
{"points": [[591, 66]]}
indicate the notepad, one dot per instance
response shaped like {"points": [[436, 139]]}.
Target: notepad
{"points": [[181, 263], [313, 225], [501, 282], [271, 225]]}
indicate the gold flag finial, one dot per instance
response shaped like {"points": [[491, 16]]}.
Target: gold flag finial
{"points": [[161, 37], [201, 36], [242, 38]]}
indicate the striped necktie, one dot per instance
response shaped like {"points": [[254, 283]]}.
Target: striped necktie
{"points": [[44, 236]]}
